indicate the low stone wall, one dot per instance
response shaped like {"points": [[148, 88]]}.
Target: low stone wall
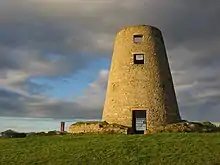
{"points": [[186, 126], [97, 127]]}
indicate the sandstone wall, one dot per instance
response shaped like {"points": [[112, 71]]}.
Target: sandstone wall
{"points": [[146, 86], [97, 127]]}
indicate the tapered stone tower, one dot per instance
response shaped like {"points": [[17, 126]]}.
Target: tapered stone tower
{"points": [[140, 91]]}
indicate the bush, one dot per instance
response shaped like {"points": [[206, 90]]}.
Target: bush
{"points": [[15, 135], [52, 133], [41, 133], [20, 135]]}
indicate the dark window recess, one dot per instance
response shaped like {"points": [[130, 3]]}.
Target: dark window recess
{"points": [[137, 38], [138, 59], [139, 124]]}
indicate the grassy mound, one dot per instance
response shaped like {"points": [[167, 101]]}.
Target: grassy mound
{"points": [[154, 149]]}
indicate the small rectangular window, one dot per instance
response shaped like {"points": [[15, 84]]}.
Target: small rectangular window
{"points": [[137, 38], [138, 58]]}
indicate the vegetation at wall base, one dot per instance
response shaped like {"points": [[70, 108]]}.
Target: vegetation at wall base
{"points": [[153, 149]]}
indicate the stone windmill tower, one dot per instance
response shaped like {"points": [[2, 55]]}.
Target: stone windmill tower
{"points": [[140, 92]]}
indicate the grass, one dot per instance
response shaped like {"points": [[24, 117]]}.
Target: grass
{"points": [[155, 149]]}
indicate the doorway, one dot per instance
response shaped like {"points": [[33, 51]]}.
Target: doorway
{"points": [[139, 121]]}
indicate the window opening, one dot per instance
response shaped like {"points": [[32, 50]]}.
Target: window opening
{"points": [[137, 38], [138, 58]]}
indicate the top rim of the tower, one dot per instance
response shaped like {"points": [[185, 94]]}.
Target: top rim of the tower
{"points": [[140, 25]]}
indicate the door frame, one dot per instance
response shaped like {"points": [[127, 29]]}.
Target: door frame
{"points": [[134, 120]]}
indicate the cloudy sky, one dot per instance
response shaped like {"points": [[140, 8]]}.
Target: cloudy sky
{"points": [[55, 54]]}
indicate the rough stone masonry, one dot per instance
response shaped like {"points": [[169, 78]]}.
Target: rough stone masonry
{"points": [[140, 79]]}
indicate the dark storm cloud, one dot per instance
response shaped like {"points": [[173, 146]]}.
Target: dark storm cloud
{"points": [[206, 109], [29, 30], [65, 109], [4, 95], [73, 25], [6, 60], [11, 104], [26, 35], [43, 107]]}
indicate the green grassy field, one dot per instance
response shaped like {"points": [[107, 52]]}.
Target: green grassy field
{"points": [[174, 149]]}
